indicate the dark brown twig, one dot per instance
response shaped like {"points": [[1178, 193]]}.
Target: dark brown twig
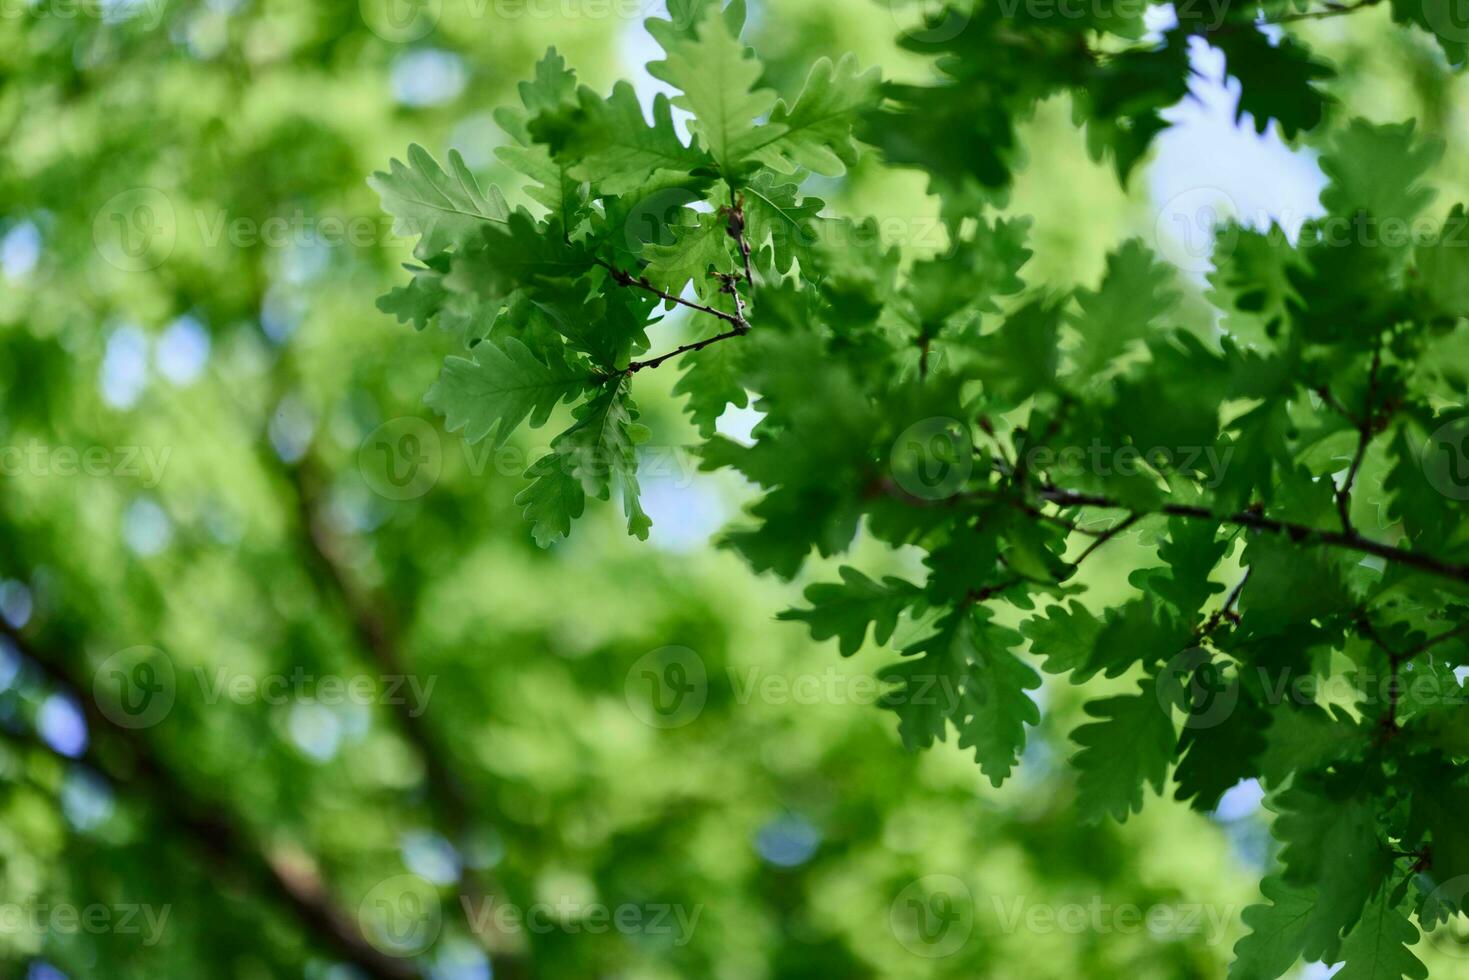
{"points": [[637, 366], [1108, 535], [641, 282], [1300, 533], [1226, 611]]}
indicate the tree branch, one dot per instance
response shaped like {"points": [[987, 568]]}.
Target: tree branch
{"points": [[378, 639], [641, 282], [636, 366], [1297, 532], [211, 828], [1108, 535], [1389, 725], [1433, 641], [735, 228]]}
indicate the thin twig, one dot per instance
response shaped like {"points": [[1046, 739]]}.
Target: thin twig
{"points": [[976, 596], [1396, 659], [1434, 641], [1108, 535], [636, 366], [1365, 429], [1330, 399], [1297, 532], [988, 428], [1331, 10], [736, 230], [1225, 611], [641, 282]]}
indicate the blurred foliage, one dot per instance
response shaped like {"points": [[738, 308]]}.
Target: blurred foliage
{"points": [[193, 378]]}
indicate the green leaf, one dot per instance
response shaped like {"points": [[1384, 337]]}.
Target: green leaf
{"points": [[1135, 292], [815, 133], [1441, 19], [1191, 553], [1222, 736], [1443, 266], [963, 674], [1251, 281], [1289, 586], [502, 386], [1379, 169], [611, 144], [1123, 97], [553, 500], [444, 210], [700, 244], [1133, 634], [1128, 749], [719, 80], [1065, 636], [1278, 931], [712, 381], [994, 707], [520, 254], [1377, 949], [1302, 739], [779, 222], [971, 275], [1330, 843], [1277, 79], [553, 85], [969, 560], [419, 301], [1440, 808], [846, 610], [553, 186], [1020, 359], [600, 450], [1429, 516]]}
